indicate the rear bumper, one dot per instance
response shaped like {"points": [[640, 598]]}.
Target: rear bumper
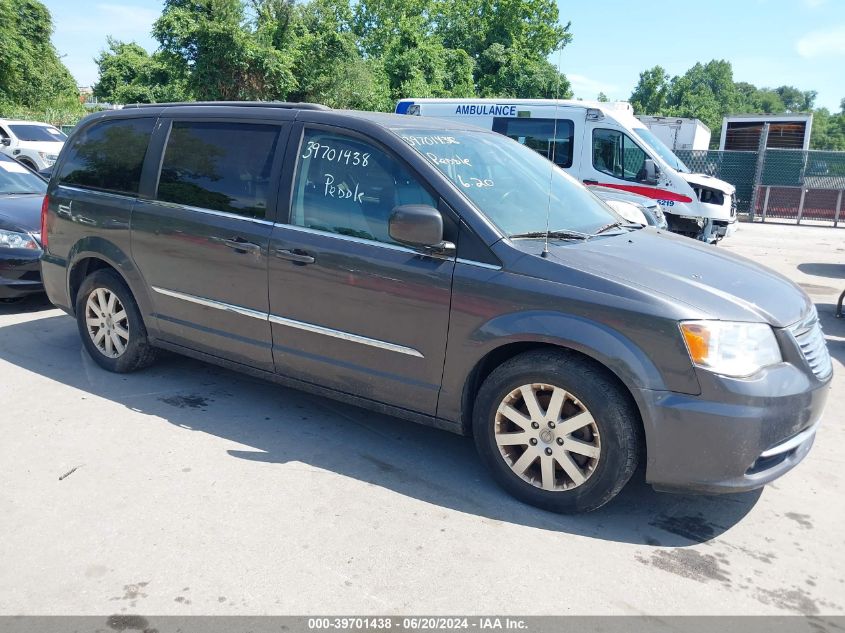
{"points": [[20, 274], [743, 435]]}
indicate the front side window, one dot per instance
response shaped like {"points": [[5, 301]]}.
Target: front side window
{"points": [[615, 154], [518, 190], [348, 186], [551, 138], [108, 156], [219, 166]]}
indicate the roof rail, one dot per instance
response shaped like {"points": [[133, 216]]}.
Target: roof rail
{"points": [[240, 104]]}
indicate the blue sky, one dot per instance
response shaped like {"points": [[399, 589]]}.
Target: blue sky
{"points": [[769, 42]]}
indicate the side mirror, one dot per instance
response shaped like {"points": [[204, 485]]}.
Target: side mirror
{"points": [[5, 141], [421, 226], [651, 171]]}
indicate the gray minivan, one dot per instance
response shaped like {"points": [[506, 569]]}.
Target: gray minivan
{"points": [[438, 273]]}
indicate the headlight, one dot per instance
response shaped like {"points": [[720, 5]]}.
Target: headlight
{"points": [[13, 239], [729, 348]]}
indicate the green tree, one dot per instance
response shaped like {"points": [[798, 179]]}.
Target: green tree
{"points": [[651, 92], [828, 130], [503, 37], [31, 73], [213, 44], [795, 100], [327, 62], [128, 74]]}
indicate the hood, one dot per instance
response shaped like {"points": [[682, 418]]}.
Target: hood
{"points": [[703, 180], [716, 283], [21, 212]]}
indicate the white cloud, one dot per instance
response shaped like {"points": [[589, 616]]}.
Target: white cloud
{"points": [[588, 88], [822, 43]]}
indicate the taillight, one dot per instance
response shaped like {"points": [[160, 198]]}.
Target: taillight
{"points": [[45, 206]]}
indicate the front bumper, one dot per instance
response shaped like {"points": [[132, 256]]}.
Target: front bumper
{"points": [[737, 435], [20, 273]]}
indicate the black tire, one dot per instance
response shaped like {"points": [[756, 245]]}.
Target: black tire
{"points": [[614, 416], [138, 353]]}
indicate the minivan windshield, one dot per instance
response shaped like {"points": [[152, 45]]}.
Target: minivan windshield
{"points": [[38, 133], [661, 150], [518, 190], [15, 178]]}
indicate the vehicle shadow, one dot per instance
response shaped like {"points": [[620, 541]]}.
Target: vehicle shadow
{"points": [[32, 303], [834, 330], [831, 271], [283, 425]]}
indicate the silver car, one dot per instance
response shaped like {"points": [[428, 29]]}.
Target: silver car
{"points": [[648, 206]]}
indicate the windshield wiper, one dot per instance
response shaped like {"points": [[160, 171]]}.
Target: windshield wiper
{"points": [[562, 234], [606, 227]]}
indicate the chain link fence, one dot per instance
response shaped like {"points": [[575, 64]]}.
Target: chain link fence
{"points": [[737, 168], [778, 183]]}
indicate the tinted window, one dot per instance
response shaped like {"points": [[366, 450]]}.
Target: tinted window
{"points": [[614, 153], [219, 166], [108, 155], [551, 138], [45, 133], [347, 186]]}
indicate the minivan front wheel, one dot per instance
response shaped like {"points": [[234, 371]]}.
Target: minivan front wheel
{"points": [[556, 432], [110, 323]]}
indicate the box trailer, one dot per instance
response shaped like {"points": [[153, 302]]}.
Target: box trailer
{"points": [[678, 133]]}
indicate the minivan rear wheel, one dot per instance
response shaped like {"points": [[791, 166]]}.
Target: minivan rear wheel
{"points": [[556, 431], [110, 323]]}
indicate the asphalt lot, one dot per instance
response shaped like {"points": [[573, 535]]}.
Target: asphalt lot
{"points": [[188, 489]]}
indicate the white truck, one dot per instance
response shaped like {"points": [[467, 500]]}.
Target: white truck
{"points": [[35, 145], [678, 133], [604, 144]]}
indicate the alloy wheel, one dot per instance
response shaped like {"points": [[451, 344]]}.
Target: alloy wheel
{"points": [[107, 322], [547, 437]]}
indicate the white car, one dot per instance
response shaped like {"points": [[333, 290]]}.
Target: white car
{"points": [[33, 144]]}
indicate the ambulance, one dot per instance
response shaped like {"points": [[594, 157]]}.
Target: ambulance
{"points": [[601, 143]]}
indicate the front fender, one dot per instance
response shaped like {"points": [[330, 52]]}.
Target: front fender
{"points": [[667, 369], [596, 340]]}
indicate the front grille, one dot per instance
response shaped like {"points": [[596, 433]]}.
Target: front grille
{"points": [[810, 338]]}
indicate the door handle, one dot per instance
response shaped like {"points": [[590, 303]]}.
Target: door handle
{"points": [[591, 182], [294, 256], [241, 246]]}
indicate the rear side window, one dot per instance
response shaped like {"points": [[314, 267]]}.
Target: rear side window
{"points": [[219, 166], [108, 156], [551, 138]]}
